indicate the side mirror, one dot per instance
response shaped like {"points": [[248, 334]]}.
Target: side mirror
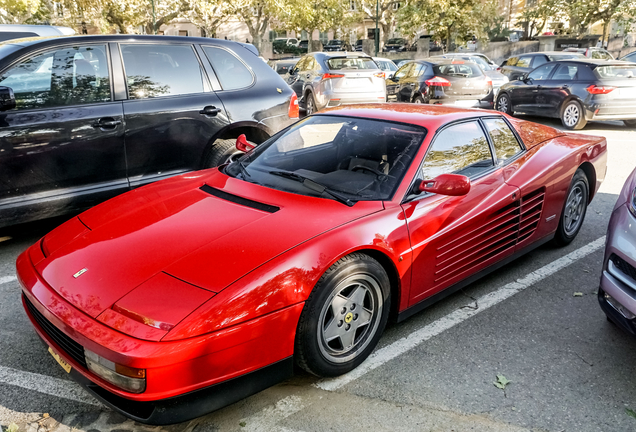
{"points": [[242, 144], [7, 98], [445, 184], [390, 76], [292, 71], [525, 78]]}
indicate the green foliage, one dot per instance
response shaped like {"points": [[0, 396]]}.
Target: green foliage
{"points": [[501, 382], [630, 412]]}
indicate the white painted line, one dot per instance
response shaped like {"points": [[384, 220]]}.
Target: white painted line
{"points": [[399, 347], [7, 279], [267, 420], [46, 384]]}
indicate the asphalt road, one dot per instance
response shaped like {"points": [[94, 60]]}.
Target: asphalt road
{"points": [[569, 369]]}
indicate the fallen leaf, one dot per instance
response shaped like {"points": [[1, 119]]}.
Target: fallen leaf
{"points": [[578, 294], [242, 424], [501, 382], [630, 412], [45, 415], [13, 428]]}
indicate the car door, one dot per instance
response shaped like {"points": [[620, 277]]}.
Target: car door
{"points": [[539, 89], [454, 237], [393, 84], [558, 87], [405, 84], [294, 78], [62, 147], [171, 111]]}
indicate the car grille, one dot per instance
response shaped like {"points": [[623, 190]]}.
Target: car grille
{"points": [[623, 266], [68, 345]]}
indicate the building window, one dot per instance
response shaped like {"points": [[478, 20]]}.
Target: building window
{"points": [[183, 33], [352, 5], [396, 5], [324, 37], [59, 9]]}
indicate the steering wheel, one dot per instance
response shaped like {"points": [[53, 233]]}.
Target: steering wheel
{"points": [[366, 168]]}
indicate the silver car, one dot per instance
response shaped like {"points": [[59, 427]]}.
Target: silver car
{"points": [[490, 69], [323, 80], [617, 294]]}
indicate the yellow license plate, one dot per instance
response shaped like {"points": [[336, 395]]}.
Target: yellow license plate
{"points": [[60, 360]]}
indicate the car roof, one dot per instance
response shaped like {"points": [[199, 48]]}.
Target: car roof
{"points": [[596, 62], [42, 30], [331, 54]]}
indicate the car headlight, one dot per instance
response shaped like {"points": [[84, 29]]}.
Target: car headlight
{"points": [[632, 203], [130, 379]]}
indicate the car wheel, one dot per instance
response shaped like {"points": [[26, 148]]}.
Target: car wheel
{"points": [[418, 100], [574, 209], [344, 317], [503, 104], [630, 123], [310, 104], [572, 116], [221, 152]]}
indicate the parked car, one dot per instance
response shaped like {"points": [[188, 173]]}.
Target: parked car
{"points": [[323, 80], [386, 65], [490, 69], [358, 45], [401, 62], [76, 129], [631, 57], [618, 279], [396, 45], [283, 66], [442, 82], [576, 91], [17, 31], [592, 52], [337, 45], [304, 45], [287, 41], [516, 67], [189, 294]]}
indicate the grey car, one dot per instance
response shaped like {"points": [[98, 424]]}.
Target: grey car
{"points": [[323, 80], [617, 293], [490, 69]]}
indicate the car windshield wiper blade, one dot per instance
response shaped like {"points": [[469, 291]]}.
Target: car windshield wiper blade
{"points": [[243, 169], [313, 185]]}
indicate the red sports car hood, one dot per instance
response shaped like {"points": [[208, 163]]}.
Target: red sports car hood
{"points": [[204, 228]]}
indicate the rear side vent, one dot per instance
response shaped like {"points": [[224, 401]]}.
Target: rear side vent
{"points": [[239, 200], [531, 208]]}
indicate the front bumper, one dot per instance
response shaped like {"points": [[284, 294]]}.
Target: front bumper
{"points": [[617, 294], [207, 366]]}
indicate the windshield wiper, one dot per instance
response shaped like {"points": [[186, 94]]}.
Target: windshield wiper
{"points": [[313, 185], [243, 169]]}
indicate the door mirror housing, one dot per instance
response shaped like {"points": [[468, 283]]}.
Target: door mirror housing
{"points": [[7, 98], [525, 78], [445, 184], [242, 144]]}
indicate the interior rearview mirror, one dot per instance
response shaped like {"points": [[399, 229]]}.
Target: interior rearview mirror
{"points": [[445, 184], [7, 98], [242, 144]]}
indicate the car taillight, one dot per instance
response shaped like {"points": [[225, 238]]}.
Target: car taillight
{"points": [[330, 76], [457, 62], [379, 75], [294, 111], [438, 82], [594, 89], [498, 68], [489, 82]]}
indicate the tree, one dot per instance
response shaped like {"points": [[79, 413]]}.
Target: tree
{"points": [[319, 15], [536, 17], [388, 13], [256, 15], [17, 11]]}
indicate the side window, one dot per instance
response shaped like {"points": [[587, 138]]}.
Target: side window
{"points": [[154, 70], [312, 64], [606, 56], [231, 72], [542, 73], [524, 61], [565, 72], [504, 141], [539, 60], [512, 61], [67, 76], [419, 70], [302, 64], [403, 71], [458, 149]]}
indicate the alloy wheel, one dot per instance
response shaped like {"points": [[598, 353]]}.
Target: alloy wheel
{"points": [[502, 104], [571, 115], [574, 206]]}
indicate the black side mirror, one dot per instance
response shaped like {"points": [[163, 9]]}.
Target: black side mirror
{"points": [[525, 78], [7, 99], [292, 71]]}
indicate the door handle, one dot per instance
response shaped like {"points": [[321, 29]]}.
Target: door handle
{"points": [[210, 110], [106, 123], [565, 86]]}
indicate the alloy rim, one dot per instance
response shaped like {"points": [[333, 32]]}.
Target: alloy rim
{"points": [[574, 206], [571, 115], [310, 106], [502, 104], [417, 101], [350, 318]]}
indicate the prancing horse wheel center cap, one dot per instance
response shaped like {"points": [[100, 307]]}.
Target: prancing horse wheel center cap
{"points": [[348, 317]]}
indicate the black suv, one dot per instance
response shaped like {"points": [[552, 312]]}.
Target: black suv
{"points": [[83, 118]]}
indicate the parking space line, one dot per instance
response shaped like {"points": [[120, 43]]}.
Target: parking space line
{"points": [[399, 347], [7, 279], [46, 384]]}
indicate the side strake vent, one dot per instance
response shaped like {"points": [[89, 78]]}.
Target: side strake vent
{"points": [[239, 200], [500, 232], [531, 208]]}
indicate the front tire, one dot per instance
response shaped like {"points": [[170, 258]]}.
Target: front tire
{"points": [[222, 151], [418, 100], [574, 209], [504, 104], [630, 123], [344, 316], [573, 116], [310, 104]]}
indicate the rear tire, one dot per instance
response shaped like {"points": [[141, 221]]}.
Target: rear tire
{"points": [[418, 100], [504, 104], [573, 115], [221, 152], [630, 123], [310, 104], [574, 209]]}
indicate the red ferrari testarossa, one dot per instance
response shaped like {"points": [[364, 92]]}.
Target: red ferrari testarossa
{"points": [[186, 295]]}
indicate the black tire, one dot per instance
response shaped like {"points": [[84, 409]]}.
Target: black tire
{"points": [[573, 115], [630, 123], [354, 278], [418, 100], [310, 104], [504, 104], [574, 209], [221, 151]]}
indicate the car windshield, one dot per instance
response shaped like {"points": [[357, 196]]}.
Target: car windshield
{"points": [[464, 70], [334, 42], [554, 57], [351, 63], [615, 72], [345, 158], [396, 41], [386, 65]]}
